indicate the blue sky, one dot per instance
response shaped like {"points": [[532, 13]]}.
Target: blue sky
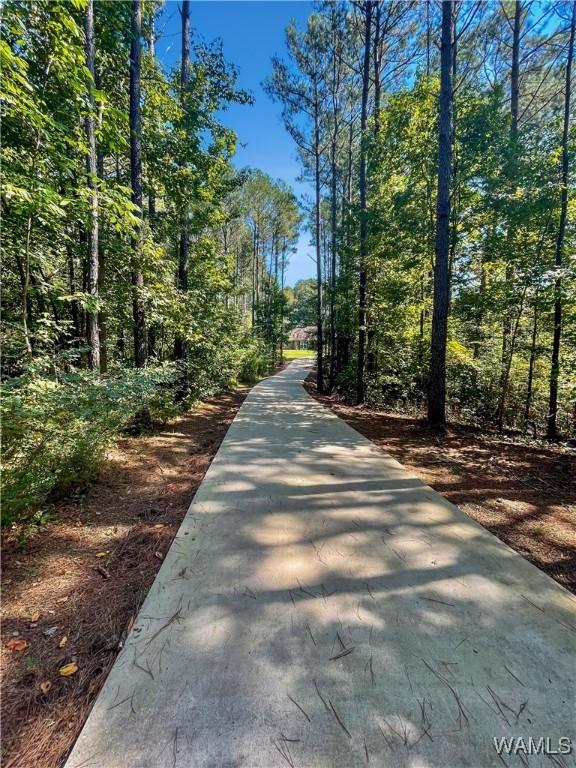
{"points": [[252, 31]]}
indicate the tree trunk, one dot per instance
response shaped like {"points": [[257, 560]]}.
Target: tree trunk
{"points": [[318, 231], [282, 305], [505, 386], [437, 387], [138, 314], [152, 193], [72, 290], [377, 67], [363, 207], [180, 350], [102, 320], [335, 87], [532, 362], [428, 38], [513, 175], [92, 331], [552, 427], [102, 324], [333, 211], [254, 277]]}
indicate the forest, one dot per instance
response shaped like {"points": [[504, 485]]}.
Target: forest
{"points": [[141, 270], [438, 138], [144, 271]]}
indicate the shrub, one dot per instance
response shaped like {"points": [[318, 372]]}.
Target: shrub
{"points": [[55, 430], [255, 361]]}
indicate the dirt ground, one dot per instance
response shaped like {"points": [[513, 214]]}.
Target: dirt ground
{"points": [[72, 592], [523, 493]]}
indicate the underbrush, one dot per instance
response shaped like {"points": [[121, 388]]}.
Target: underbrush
{"points": [[56, 430], [256, 361], [58, 421]]}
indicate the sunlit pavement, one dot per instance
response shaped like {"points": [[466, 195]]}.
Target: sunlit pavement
{"points": [[322, 607]]}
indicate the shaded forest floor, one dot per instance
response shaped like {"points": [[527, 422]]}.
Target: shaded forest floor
{"points": [[72, 590], [525, 494]]}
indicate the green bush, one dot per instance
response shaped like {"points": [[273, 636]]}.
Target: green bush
{"points": [[55, 430], [57, 425], [255, 361]]}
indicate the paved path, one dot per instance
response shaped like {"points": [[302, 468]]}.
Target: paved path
{"points": [[322, 608]]}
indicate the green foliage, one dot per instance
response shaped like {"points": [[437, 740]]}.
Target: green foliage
{"points": [[505, 195], [240, 228], [256, 361], [302, 307], [56, 430]]}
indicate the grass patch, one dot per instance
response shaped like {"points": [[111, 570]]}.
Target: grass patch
{"points": [[296, 354]]}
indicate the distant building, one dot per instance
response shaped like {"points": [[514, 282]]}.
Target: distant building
{"points": [[302, 338]]}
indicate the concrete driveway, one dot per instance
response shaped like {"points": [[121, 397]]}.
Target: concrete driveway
{"points": [[322, 608]]}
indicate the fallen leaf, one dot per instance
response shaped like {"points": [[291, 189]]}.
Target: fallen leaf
{"points": [[63, 642], [68, 669], [17, 645], [45, 687], [100, 554], [35, 616], [159, 525], [62, 599]]}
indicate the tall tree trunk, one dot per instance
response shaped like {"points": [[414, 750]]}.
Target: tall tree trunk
{"points": [[428, 38], [513, 176], [336, 121], [506, 375], [333, 213], [138, 314], [318, 237], [102, 320], [102, 324], [455, 171], [282, 305], [152, 192], [92, 331], [377, 60], [515, 72], [552, 427], [72, 289], [360, 393], [532, 362], [254, 277], [437, 387], [184, 244]]}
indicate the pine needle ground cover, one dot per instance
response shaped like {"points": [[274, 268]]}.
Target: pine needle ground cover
{"points": [[72, 585]]}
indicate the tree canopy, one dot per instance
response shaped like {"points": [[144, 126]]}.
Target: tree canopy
{"points": [[141, 269], [444, 213]]}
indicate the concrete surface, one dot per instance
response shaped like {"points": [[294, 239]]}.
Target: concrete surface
{"points": [[322, 608]]}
